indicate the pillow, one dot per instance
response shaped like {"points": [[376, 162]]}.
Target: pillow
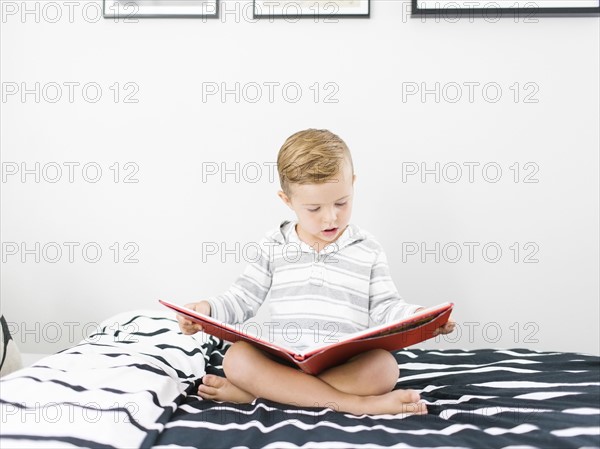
{"points": [[10, 357]]}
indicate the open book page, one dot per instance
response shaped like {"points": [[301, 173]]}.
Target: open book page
{"points": [[403, 325]]}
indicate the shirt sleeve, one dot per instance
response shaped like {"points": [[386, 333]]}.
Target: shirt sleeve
{"points": [[385, 303], [249, 290]]}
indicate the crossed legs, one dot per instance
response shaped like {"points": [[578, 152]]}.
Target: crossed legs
{"points": [[364, 384]]}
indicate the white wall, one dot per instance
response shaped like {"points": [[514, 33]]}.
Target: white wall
{"points": [[171, 132]]}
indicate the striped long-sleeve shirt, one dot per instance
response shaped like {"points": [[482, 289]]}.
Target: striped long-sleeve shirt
{"points": [[314, 297]]}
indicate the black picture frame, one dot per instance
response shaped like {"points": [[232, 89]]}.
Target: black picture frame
{"points": [[529, 10], [160, 9], [307, 9]]}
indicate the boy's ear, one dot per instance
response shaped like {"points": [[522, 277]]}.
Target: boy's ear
{"points": [[284, 198]]}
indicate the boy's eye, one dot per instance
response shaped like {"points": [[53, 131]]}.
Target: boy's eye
{"points": [[337, 204]]}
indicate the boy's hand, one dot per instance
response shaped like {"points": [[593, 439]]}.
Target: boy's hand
{"points": [[445, 329], [187, 326]]}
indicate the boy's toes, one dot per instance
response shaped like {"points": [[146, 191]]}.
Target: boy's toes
{"points": [[206, 389], [407, 396], [213, 381], [418, 408], [421, 409], [206, 392], [414, 396]]}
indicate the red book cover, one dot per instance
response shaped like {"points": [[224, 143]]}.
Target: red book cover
{"points": [[390, 336]]}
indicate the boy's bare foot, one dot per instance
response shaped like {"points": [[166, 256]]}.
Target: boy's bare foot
{"points": [[394, 402], [216, 388]]}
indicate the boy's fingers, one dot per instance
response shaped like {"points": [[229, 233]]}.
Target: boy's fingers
{"points": [[182, 319], [445, 329], [448, 327], [186, 325], [191, 328]]}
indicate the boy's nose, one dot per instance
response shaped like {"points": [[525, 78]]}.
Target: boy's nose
{"points": [[330, 216]]}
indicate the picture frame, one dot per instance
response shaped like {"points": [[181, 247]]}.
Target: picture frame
{"points": [[169, 9], [514, 9], [296, 9]]}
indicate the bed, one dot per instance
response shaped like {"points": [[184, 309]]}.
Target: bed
{"points": [[134, 385]]}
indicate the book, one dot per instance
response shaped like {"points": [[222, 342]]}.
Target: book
{"points": [[390, 336]]}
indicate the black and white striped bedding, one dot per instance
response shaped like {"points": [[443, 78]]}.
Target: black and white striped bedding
{"points": [[117, 389], [135, 387]]}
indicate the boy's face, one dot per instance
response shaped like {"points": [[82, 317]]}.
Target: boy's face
{"points": [[323, 210]]}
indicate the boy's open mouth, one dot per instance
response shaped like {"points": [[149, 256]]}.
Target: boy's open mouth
{"points": [[330, 231]]}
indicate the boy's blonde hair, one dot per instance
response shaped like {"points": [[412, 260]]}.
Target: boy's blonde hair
{"points": [[312, 156]]}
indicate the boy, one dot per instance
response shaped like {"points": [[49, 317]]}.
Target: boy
{"points": [[333, 282]]}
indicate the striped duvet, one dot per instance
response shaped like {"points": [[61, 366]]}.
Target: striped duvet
{"points": [[138, 389]]}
